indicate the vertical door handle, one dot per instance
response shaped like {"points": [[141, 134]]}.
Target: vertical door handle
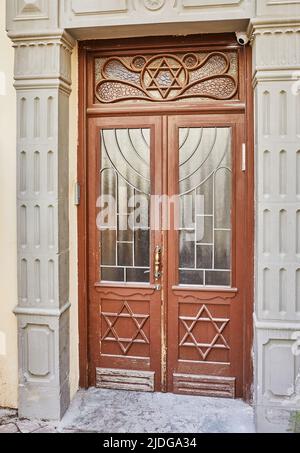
{"points": [[244, 163], [157, 263]]}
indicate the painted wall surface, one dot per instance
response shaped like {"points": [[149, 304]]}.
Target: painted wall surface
{"points": [[73, 134], [8, 222]]}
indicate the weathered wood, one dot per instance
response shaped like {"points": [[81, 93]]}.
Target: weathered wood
{"points": [[217, 386], [125, 379]]}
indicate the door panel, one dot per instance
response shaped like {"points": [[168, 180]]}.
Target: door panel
{"points": [[126, 184], [125, 305], [205, 294], [166, 280], [204, 189]]}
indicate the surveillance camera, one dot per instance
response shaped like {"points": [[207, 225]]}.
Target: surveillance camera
{"points": [[242, 38]]}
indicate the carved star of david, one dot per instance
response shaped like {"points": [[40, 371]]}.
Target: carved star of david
{"points": [[164, 76], [139, 321], [219, 325]]}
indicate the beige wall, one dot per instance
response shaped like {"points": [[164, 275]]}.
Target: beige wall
{"points": [[8, 234], [74, 354]]}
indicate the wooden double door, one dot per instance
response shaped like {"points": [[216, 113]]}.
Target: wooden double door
{"points": [[166, 252]]}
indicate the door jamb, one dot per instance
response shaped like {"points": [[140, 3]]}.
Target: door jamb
{"points": [[248, 109], [82, 223]]}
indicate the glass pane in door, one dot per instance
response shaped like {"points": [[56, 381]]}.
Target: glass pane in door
{"points": [[125, 205], [205, 190]]}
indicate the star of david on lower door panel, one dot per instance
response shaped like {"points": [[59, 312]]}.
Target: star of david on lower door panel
{"points": [[218, 340], [112, 334]]}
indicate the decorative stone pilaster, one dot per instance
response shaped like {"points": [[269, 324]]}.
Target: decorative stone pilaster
{"points": [[276, 53], [43, 81]]}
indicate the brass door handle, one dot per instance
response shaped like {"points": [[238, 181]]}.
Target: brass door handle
{"points": [[157, 263]]}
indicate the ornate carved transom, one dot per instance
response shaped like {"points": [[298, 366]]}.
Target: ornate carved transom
{"points": [[167, 77]]}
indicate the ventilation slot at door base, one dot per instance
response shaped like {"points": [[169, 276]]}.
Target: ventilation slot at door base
{"points": [[222, 387], [109, 378]]}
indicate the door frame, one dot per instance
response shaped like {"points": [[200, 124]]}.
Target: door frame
{"points": [[87, 108]]}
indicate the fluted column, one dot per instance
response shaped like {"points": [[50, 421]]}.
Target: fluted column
{"points": [[43, 84], [276, 58]]}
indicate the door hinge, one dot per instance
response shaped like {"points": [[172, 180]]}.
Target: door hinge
{"points": [[244, 157], [77, 194]]}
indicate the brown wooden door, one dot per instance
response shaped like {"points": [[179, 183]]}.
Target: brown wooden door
{"points": [[166, 250], [206, 253], [124, 173]]}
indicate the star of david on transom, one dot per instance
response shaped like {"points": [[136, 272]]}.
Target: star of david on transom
{"points": [[164, 75], [218, 341], [138, 320]]}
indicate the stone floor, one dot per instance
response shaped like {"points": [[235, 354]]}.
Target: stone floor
{"points": [[10, 423], [109, 411]]}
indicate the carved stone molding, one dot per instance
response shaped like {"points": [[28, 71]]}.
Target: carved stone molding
{"points": [[210, 3], [278, 368], [154, 5], [92, 7], [275, 48], [44, 368], [38, 338], [51, 55], [42, 61], [30, 15], [31, 9], [79, 15], [278, 8]]}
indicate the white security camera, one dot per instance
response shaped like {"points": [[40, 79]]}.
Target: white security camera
{"points": [[242, 38]]}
